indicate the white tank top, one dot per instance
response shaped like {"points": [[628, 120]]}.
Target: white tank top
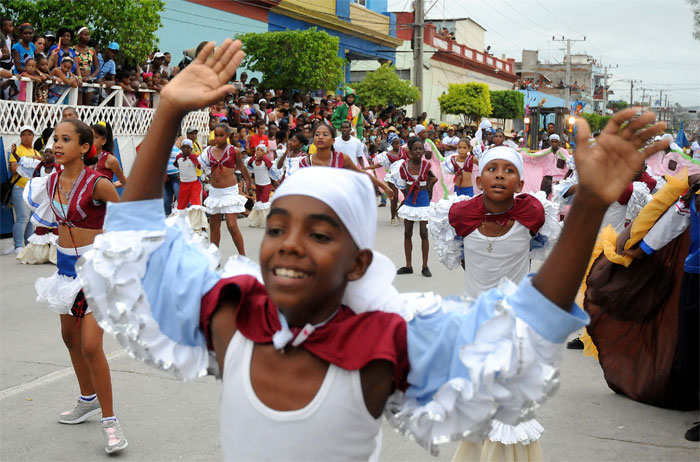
{"points": [[509, 257], [335, 425]]}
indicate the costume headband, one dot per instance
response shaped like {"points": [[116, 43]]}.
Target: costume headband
{"points": [[503, 153], [80, 31]]}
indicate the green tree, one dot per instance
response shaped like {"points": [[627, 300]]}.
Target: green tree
{"points": [[617, 105], [130, 23], [382, 87], [294, 59], [469, 100], [507, 104], [595, 121]]}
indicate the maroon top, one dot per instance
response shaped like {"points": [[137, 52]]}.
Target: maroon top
{"points": [[81, 211]]}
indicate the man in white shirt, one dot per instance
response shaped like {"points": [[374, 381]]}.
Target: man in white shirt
{"points": [[348, 144], [450, 142]]}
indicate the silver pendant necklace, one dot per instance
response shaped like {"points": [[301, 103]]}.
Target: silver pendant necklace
{"points": [[489, 249]]}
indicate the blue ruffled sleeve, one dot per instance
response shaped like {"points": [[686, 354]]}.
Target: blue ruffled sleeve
{"points": [[144, 281], [474, 361]]}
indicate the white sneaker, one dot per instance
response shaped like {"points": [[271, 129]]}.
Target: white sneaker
{"points": [[8, 251], [394, 222], [18, 250]]}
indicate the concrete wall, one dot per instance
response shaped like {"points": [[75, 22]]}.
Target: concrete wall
{"points": [[469, 33]]}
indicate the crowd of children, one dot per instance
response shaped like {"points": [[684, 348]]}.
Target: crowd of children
{"points": [[489, 206], [54, 62]]}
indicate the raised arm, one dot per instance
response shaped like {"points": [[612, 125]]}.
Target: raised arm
{"points": [[200, 84], [604, 169], [350, 165]]}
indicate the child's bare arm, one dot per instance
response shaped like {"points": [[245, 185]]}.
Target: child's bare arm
{"points": [[223, 322], [604, 169], [350, 165], [200, 84]]}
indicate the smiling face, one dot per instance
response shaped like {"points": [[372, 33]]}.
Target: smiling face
{"points": [[66, 144], [323, 137], [65, 39], [500, 180], [307, 258], [49, 158]]}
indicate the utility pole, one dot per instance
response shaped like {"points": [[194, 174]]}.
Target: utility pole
{"points": [[418, 26], [568, 66], [643, 90], [632, 82], [605, 87]]}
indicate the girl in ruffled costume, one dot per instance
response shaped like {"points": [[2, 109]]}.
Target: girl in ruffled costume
{"points": [[74, 200], [389, 160], [107, 164], [546, 167], [671, 161], [416, 179], [288, 162], [259, 165], [316, 344], [219, 162], [460, 166], [491, 236], [41, 246]]}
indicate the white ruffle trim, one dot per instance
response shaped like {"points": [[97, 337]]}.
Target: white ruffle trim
{"points": [[640, 197], [558, 190], [26, 167], [256, 217], [112, 272], [36, 196], [44, 239], [259, 205], [38, 254], [395, 175], [511, 372], [449, 246], [551, 229], [58, 291], [526, 432], [225, 203], [407, 212]]}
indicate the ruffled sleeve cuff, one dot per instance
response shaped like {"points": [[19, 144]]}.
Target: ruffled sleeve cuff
{"points": [[548, 235], [448, 245], [473, 361], [36, 196], [144, 283]]}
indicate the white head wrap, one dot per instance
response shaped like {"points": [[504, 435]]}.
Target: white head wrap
{"points": [[503, 153], [351, 196], [419, 129], [186, 142], [554, 136], [486, 123], [262, 146]]}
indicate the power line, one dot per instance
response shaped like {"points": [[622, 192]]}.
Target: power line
{"points": [[212, 19]]}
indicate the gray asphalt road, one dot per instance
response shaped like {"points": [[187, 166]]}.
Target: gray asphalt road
{"points": [[165, 419]]}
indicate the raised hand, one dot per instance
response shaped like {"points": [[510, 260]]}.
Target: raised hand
{"points": [[205, 80], [606, 168]]}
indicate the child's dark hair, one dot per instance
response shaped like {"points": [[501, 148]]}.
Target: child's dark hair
{"points": [[224, 126], [85, 136], [105, 131], [411, 141], [300, 138], [280, 136], [466, 140], [123, 72], [330, 128], [27, 62]]}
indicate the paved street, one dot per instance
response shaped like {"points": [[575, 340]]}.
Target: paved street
{"points": [[165, 419]]}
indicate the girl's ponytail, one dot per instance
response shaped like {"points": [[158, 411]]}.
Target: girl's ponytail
{"points": [[104, 129]]}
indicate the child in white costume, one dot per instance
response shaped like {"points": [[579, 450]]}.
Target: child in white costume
{"points": [[260, 167], [491, 236], [353, 347], [41, 247]]}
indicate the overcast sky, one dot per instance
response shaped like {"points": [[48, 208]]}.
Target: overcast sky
{"points": [[649, 40]]}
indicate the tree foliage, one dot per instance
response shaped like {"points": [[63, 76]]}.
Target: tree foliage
{"points": [[617, 105], [695, 6], [507, 104], [130, 23], [294, 59], [383, 87], [595, 121], [469, 100]]}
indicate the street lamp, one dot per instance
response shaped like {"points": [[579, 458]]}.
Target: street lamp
{"points": [[572, 120], [526, 120]]}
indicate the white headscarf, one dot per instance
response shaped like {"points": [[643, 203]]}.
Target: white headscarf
{"points": [[419, 129], [351, 196], [486, 123], [503, 153], [554, 136]]}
